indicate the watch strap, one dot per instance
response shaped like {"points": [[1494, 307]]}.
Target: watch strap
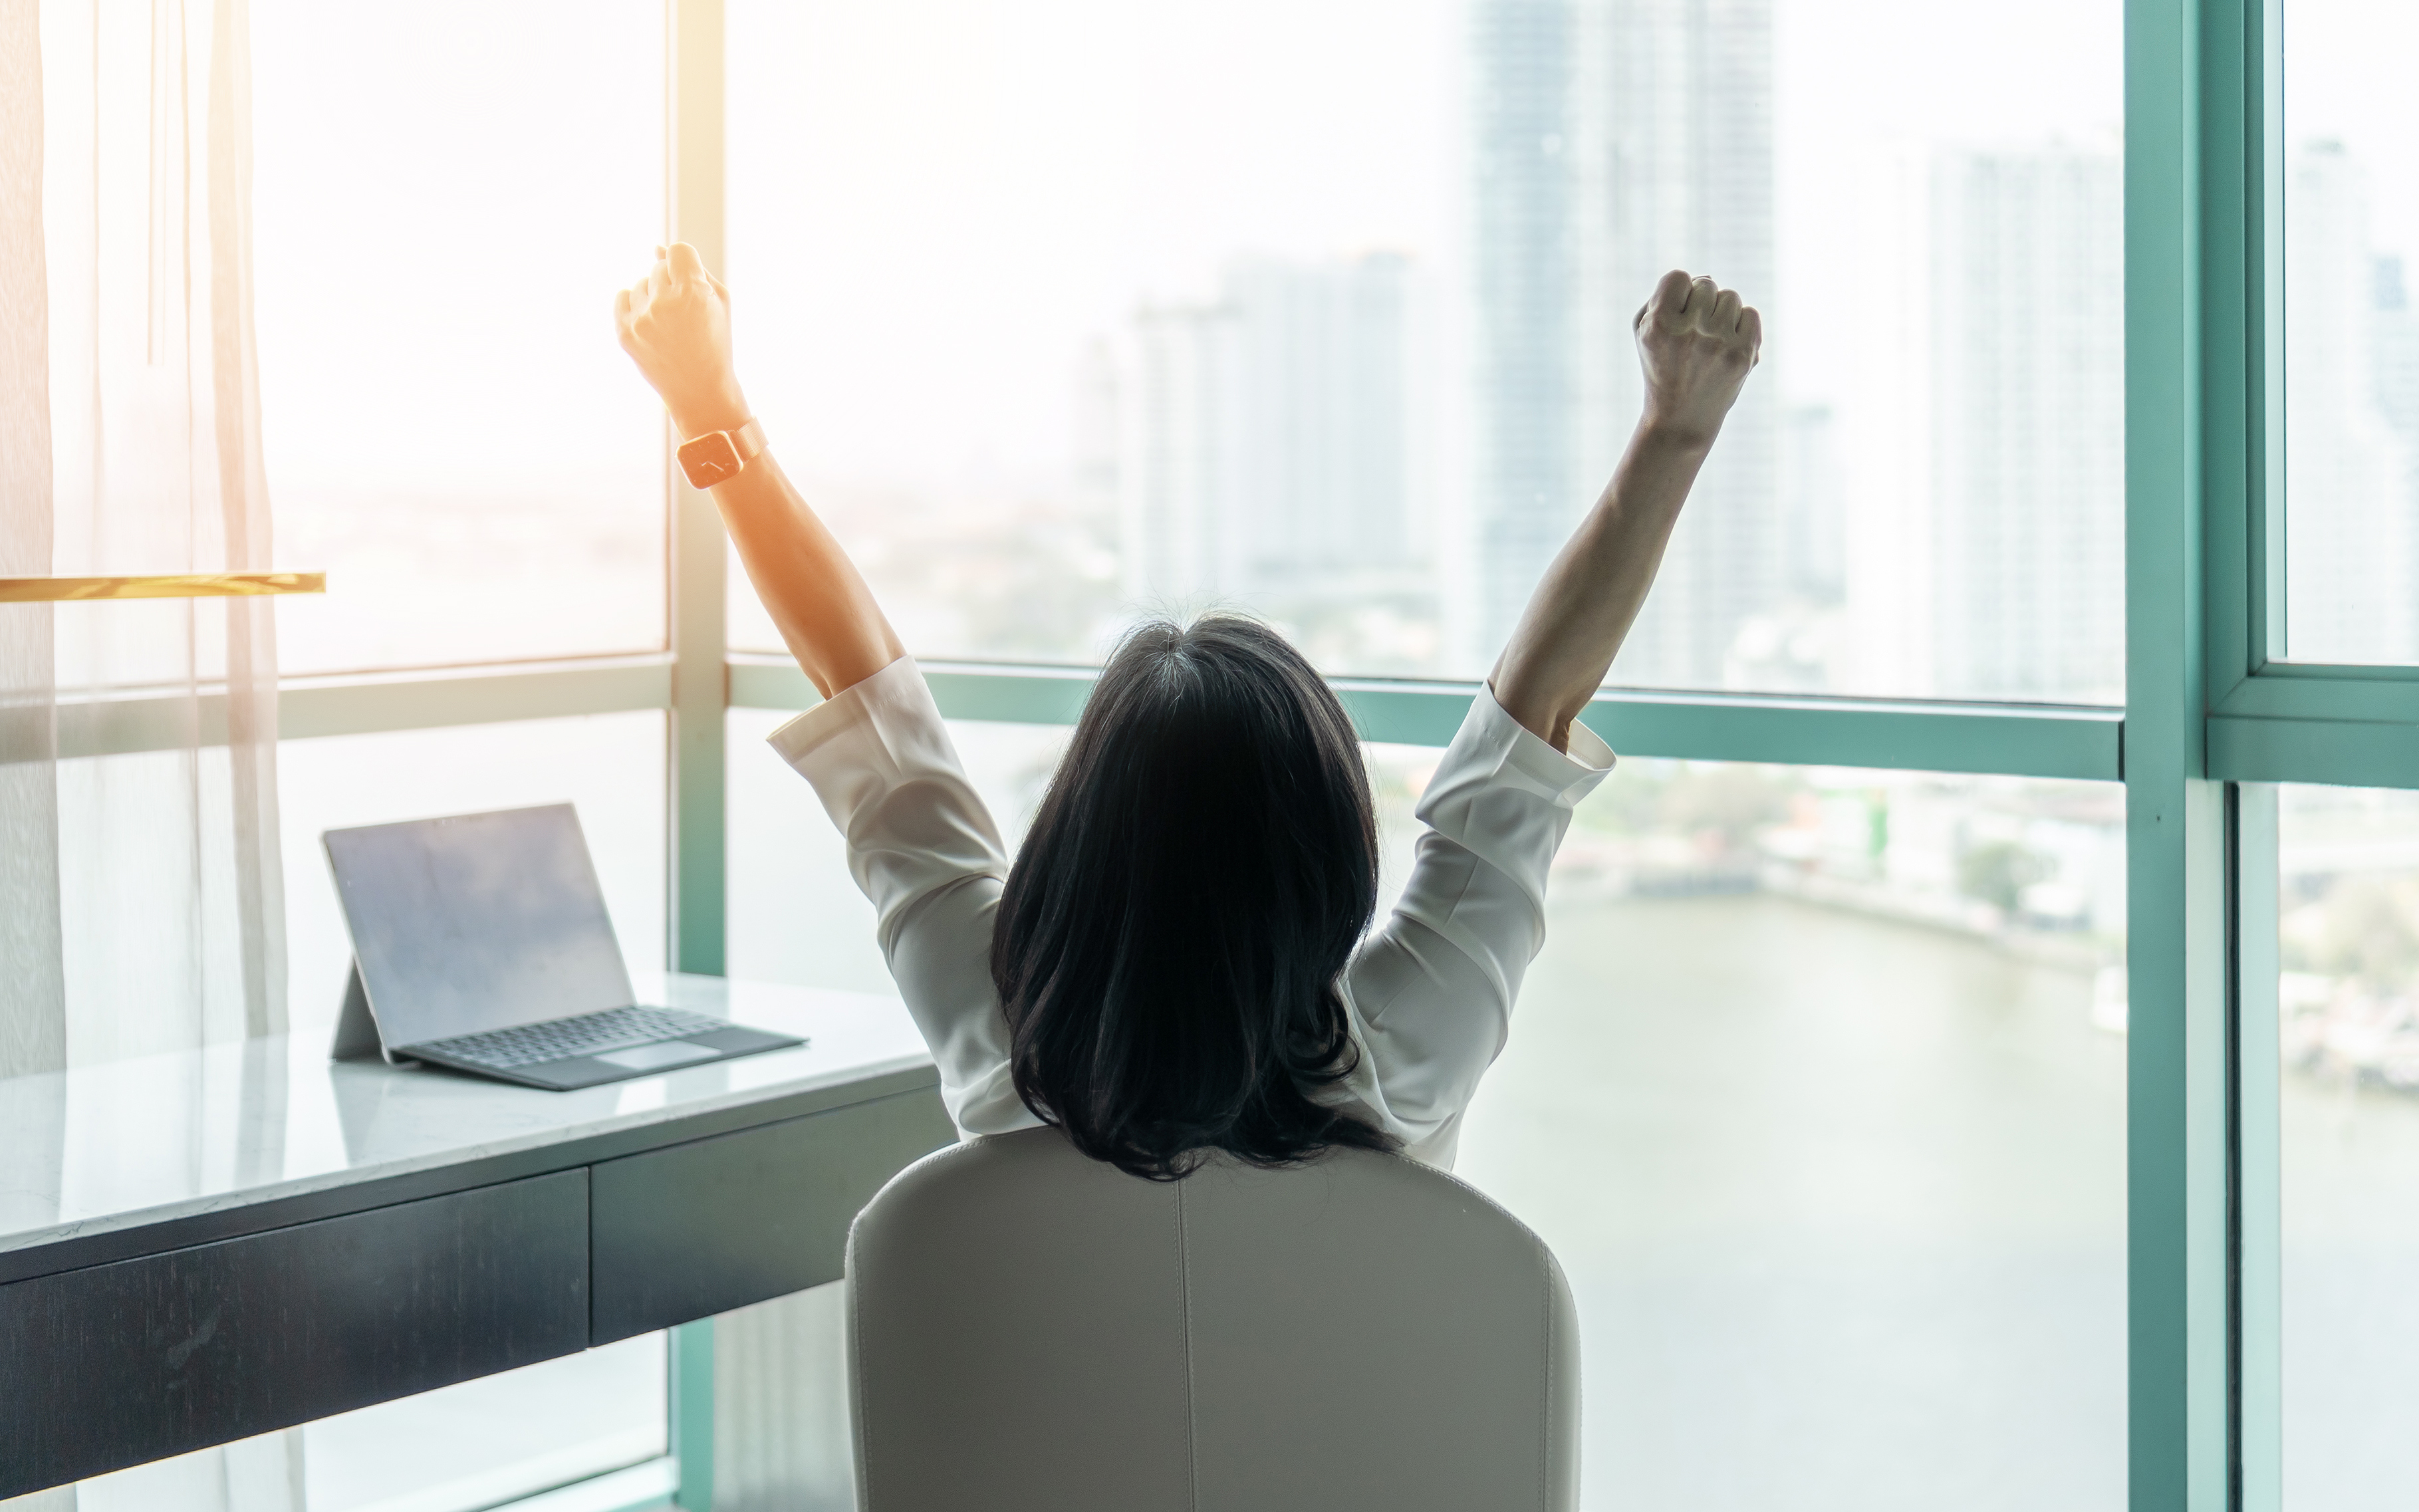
{"points": [[720, 455]]}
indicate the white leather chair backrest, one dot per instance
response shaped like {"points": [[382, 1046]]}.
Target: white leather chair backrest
{"points": [[1031, 1329]]}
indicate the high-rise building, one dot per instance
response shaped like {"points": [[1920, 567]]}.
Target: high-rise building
{"points": [[1276, 451], [2026, 390], [2351, 568], [1612, 141], [2397, 346], [1177, 470]]}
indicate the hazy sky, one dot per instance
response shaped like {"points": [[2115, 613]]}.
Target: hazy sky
{"points": [[934, 203], [934, 200], [2349, 74]]}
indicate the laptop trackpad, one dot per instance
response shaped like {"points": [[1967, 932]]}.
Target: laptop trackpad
{"points": [[656, 1057]]}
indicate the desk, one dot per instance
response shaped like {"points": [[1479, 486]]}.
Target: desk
{"points": [[202, 1246]]}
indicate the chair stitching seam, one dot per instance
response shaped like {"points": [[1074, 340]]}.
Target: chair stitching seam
{"points": [[1184, 1294], [1545, 1429], [857, 1347]]}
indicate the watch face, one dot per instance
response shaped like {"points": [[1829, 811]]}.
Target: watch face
{"points": [[709, 459]]}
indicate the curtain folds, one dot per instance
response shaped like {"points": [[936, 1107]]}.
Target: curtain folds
{"points": [[141, 901], [144, 897], [33, 996]]}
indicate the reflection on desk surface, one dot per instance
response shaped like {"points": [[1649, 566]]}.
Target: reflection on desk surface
{"points": [[142, 1140]]}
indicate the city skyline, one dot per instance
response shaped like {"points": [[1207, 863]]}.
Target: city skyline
{"points": [[1275, 450], [2351, 411], [1970, 465]]}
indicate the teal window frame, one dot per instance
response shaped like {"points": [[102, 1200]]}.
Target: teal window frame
{"points": [[2216, 715], [2272, 719]]}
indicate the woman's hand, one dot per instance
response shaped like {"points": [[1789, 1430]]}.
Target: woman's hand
{"points": [[675, 324], [1697, 343]]}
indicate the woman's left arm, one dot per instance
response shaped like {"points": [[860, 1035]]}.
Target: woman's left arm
{"points": [[1696, 344], [1432, 988]]}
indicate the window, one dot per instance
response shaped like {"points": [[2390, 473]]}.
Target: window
{"points": [[1817, 1091], [439, 229], [1026, 293], [486, 1441], [472, 1444], [2349, 1139], [2352, 333], [795, 915], [609, 766], [1323, 312]]}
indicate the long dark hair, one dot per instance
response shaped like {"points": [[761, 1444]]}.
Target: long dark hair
{"points": [[1170, 938]]}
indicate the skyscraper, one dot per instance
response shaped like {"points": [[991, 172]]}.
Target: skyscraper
{"points": [[1612, 141], [2397, 349], [2026, 390], [2352, 544], [1177, 469], [1276, 451]]}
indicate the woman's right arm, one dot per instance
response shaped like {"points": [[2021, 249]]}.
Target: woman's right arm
{"points": [[675, 324], [921, 845]]}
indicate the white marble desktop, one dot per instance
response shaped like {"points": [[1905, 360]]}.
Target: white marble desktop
{"points": [[158, 1138]]}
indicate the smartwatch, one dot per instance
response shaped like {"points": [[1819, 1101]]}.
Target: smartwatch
{"points": [[720, 455]]}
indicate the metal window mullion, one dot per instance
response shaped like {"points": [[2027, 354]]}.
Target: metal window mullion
{"points": [[2077, 742], [2237, 298], [701, 675], [2256, 1148], [2291, 690], [689, 1357], [2180, 1458], [699, 681], [2263, 89], [2346, 754]]}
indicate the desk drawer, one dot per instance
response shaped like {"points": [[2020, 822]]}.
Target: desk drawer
{"points": [[117, 1365], [703, 1227]]}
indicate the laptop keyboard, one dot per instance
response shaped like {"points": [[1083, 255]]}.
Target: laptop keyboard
{"points": [[613, 1028]]}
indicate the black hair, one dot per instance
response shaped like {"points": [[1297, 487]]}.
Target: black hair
{"points": [[1171, 935]]}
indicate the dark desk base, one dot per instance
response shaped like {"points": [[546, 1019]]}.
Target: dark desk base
{"points": [[120, 1364]]}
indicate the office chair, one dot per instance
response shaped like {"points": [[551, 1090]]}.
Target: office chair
{"points": [[1032, 1329]]}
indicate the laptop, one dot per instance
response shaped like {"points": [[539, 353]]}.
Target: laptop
{"points": [[480, 943]]}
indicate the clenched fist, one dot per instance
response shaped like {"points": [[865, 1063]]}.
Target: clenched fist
{"points": [[675, 324], [1697, 343]]}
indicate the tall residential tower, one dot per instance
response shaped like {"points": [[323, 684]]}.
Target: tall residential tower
{"points": [[1612, 141]]}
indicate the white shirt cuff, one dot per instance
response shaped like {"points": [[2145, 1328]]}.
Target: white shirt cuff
{"points": [[895, 689], [1528, 762]]}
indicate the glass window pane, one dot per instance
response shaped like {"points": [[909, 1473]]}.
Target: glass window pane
{"points": [[610, 767], [446, 196], [455, 1449], [793, 914], [2352, 337], [1075, 309], [1818, 1093], [2349, 999], [488, 1441]]}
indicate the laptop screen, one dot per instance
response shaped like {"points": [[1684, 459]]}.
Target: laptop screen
{"points": [[477, 922]]}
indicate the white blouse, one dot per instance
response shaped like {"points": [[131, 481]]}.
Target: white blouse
{"points": [[1428, 993]]}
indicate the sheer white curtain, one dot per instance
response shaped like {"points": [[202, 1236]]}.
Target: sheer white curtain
{"points": [[140, 902], [152, 919]]}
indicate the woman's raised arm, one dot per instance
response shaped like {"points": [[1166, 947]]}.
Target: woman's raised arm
{"points": [[1697, 343], [675, 324]]}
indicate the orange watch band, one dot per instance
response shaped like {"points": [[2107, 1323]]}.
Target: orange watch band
{"points": [[720, 455]]}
